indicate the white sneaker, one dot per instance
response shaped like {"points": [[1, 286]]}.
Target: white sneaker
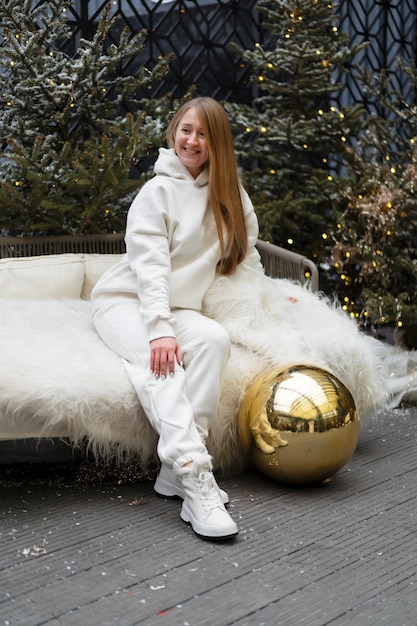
{"points": [[203, 508], [168, 485]]}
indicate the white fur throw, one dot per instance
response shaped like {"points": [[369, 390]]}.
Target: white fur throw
{"points": [[57, 378], [286, 323]]}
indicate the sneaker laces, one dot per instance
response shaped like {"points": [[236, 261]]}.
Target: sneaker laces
{"points": [[209, 490]]}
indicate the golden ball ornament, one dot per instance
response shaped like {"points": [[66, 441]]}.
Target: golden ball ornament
{"points": [[299, 425]]}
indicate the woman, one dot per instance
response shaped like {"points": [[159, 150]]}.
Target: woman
{"points": [[190, 223]]}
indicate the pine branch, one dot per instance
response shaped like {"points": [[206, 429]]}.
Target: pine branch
{"points": [[73, 128]]}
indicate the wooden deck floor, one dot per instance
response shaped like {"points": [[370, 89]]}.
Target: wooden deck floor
{"points": [[341, 554]]}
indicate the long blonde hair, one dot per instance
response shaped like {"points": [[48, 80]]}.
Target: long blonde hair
{"points": [[224, 188]]}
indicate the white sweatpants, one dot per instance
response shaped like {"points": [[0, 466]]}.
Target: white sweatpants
{"points": [[180, 408]]}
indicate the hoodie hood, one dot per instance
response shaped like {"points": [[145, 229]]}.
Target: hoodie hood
{"points": [[169, 164]]}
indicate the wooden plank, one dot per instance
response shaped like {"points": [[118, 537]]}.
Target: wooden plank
{"points": [[116, 554]]}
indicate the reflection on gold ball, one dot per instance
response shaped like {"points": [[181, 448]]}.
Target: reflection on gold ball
{"points": [[299, 425]]}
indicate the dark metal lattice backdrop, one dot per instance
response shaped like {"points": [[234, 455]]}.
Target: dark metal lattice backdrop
{"points": [[390, 27], [199, 33]]}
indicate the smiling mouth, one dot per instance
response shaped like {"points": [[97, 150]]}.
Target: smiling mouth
{"points": [[190, 151]]}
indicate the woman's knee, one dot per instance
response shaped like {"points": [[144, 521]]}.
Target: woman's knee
{"points": [[196, 331], [223, 338], [218, 340]]}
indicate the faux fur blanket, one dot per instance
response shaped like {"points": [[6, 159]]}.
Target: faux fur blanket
{"points": [[57, 378], [287, 323]]}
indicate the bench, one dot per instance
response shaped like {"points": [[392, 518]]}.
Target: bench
{"points": [[57, 335]]}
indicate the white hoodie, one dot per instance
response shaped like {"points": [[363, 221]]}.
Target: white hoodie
{"points": [[172, 247]]}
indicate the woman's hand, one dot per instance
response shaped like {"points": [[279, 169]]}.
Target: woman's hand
{"points": [[164, 352]]}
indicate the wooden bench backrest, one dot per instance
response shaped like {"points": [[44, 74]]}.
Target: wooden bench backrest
{"points": [[278, 262]]}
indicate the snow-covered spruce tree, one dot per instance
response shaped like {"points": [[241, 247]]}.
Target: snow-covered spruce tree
{"points": [[72, 126], [293, 140], [375, 251]]}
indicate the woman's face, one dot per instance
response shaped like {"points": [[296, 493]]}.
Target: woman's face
{"points": [[190, 144]]}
